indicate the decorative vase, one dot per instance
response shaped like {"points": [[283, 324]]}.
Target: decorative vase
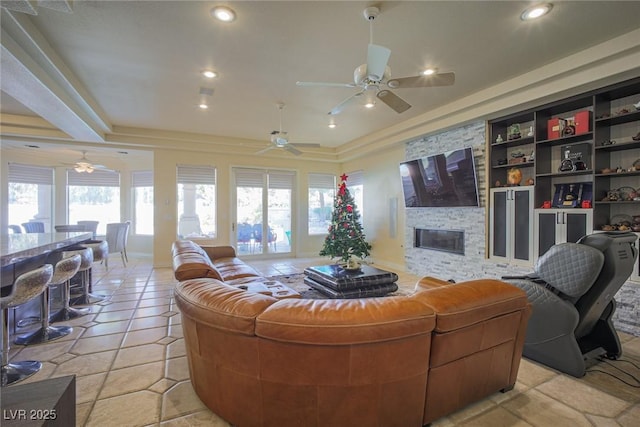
{"points": [[514, 176]]}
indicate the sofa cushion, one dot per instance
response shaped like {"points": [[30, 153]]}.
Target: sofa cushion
{"points": [[234, 268], [215, 252], [344, 321], [186, 246], [191, 265], [468, 303], [215, 304]]}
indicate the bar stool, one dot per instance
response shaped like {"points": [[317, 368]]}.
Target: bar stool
{"points": [[25, 288], [68, 312], [64, 270], [100, 249], [86, 262]]}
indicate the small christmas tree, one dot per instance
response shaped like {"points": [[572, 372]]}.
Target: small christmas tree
{"points": [[345, 238]]}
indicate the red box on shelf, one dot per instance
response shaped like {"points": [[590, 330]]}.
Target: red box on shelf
{"points": [[555, 126], [581, 120]]}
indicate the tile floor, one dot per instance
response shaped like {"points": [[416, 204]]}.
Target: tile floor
{"points": [[131, 370]]}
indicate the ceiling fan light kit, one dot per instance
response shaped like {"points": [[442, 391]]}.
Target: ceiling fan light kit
{"points": [[376, 73], [85, 166]]}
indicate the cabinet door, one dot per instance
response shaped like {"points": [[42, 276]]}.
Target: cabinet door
{"points": [[522, 211], [546, 230], [577, 224], [511, 224], [499, 224], [555, 226]]}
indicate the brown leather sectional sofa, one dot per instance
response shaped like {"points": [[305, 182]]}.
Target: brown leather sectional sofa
{"points": [[256, 360]]}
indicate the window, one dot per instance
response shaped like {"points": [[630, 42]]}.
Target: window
{"points": [[322, 190], [263, 210], [355, 184], [94, 196], [196, 201], [142, 183], [30, 194]]}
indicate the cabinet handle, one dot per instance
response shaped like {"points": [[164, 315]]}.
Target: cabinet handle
{"points": [[560, 218]]}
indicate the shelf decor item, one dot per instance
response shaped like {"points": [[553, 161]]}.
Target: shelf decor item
{"points": [[514, 132], [555, 127], [576, 157], [626, 194], [572, 195], [514, 176]]}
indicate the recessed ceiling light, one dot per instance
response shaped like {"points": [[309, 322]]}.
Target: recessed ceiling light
{"points": [[209, 74], [223, 13], [428, 71], [369, 105], [536, 11], [332, 125], [203, 106]]}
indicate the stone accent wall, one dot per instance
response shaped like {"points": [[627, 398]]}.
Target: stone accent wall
{"points": [[474, 264]]}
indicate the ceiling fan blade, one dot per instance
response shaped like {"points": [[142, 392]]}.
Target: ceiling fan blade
{"points": [[398, 104], [292, 150], [443, 79], [303, 144], [338, 108], [324, 84], [377, 58], [264, 150]]}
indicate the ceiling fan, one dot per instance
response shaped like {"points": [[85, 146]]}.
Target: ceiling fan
{"points": [[375, 74], [280, 139], [84, 165]]}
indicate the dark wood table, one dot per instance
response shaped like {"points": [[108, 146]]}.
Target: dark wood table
{"points": [[16, 248], [336, 282], [50, 402]]}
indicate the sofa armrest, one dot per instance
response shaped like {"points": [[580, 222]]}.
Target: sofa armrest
{"points": [[215, 252]]}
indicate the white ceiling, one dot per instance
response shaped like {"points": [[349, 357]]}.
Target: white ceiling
{"points": [[137, 63]]}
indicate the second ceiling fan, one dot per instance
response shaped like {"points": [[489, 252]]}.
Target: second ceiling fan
{"points": [[280, 139], [375, 75]]}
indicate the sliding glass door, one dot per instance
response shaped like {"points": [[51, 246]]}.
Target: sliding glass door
{"points": [[263, 206]]}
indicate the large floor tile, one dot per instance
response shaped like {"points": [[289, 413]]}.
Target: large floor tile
{"points": [[132, 409]]}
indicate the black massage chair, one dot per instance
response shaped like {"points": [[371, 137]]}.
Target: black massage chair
{"points": [[572, 293]]}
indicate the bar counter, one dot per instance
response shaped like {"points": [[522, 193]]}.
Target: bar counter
{"points": [[16, 248]]}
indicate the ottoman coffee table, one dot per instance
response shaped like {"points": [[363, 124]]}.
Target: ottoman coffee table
{"points": [[336, 282]]}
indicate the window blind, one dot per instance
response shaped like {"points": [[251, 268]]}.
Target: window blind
{"points": [[355, 178], [321, 180], [28, 174], [196, 174], [142, 179], [249, 177], [281, 180], [98, 178]]}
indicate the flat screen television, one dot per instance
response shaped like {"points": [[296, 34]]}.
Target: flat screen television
{"points": [[441, 180]]}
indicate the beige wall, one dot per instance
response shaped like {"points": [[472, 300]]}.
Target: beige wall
{"points": [[381, 189], [381, 183]]}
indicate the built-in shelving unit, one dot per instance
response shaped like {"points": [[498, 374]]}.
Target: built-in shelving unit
{"points": [[581, 149]]}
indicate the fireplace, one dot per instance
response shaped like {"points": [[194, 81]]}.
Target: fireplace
{"points": [[440, 240]]}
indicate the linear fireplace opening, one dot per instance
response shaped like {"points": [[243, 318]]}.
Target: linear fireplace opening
{"points": [[440, 240]]}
